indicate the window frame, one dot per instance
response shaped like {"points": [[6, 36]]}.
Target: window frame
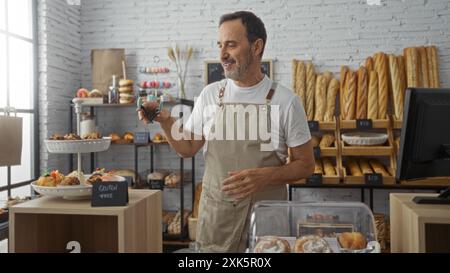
{"points": [[35, 91]]}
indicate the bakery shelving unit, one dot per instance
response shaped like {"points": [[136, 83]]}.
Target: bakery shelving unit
{"points": [[385, 151], [137, 148]]}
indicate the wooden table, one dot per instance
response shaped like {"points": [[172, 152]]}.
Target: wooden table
{"points": [[418, 227], [48, 224]]}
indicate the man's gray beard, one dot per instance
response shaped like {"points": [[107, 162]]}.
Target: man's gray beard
{"points": [[239, 72]]}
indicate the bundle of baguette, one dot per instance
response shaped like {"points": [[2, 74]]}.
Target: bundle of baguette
{"points": [[317, 92], [359, 167], [326, 141], [325, 167]]}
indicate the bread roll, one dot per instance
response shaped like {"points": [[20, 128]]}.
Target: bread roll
{"points": [[433, 61], [361, 102], [318, 166], [365, 166], [123, 83], [301, 83], [350, 96], [342, 89], [397, 93], [332, 91], [383, 89], [412, 66], [424, 77], [328, 167], [315, 140], [369, 64], [320, 99], [378, 167], [310, 90], [354, 168], [327, 141], [352, 240]]}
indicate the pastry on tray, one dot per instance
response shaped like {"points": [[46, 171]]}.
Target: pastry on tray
{"points": [[272, 244], [312, 244]]}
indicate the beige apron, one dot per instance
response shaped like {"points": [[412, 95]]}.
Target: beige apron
{"points": [[223, 221]]}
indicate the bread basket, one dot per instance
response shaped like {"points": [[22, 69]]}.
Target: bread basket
{"points": [[364, 138]]}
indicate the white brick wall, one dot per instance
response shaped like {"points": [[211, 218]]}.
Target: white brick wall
{"points": [[59, 41], [330, 32]]}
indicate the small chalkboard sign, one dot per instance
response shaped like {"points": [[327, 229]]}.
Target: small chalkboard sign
{"points": [[214, 70], [141, 138], [373, 178], [315, 179], [313, 125], [364, 124], [156, 184], [316, 152], [109, 194]]}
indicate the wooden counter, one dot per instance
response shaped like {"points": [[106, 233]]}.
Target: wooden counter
{"points": [[418, 227], [48, 224]]}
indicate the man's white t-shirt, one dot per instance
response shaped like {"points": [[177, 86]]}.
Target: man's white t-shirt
{"points": [[293, 126]]}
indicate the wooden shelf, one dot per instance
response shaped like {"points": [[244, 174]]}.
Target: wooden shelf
{"points": [[327, 126], [366, 150], [360, 180], [376, 124]]}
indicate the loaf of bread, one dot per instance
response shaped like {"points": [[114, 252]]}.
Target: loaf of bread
{"points": [[327, 141], [412, 66], [423, 70], [318, 166], [301, 83], [328, 167], [332, 91], [342, 89], [361, 101], [352, 240], [369, 64], [350, 96], [402, 74], [383, 88], [372, 101], [433, 65], [365, 166], [354, 168], [315, 140], [378, 167], [397, 93], [320, 100], [310, 90]]}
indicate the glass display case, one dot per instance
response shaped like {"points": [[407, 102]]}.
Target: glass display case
{"points": [[328, 227]]}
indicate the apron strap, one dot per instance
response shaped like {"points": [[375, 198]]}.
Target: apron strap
{"points": [[271, 92], [222, 86]]}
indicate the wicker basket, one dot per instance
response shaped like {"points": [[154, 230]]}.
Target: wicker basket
{"points": [[77, 146]]}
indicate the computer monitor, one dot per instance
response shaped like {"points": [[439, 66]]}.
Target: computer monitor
{"points": [[425, 138]]}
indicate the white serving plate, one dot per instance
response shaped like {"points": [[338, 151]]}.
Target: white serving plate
{"points": [[78, 146]]}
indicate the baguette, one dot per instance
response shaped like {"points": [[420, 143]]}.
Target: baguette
{"points": [[328, 76], [310, 89], [301, 83], [350, 97], [372, 101], [423, 68], [342, 90], [397, 93], [402, 74], [354, 168], [365, 166], [318, 166], [332, 91], [320, 100], [327, 141], [412, 66], [328, 167], [378, 167], [361, 102], [383, 89], [294, 75], [369, 64], [315, 140], [433, 65]]}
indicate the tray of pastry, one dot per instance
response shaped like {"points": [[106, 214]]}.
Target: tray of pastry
{"points": [[72, 143], [356, 169]]}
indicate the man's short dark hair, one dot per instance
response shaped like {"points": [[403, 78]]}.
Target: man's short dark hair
{"points": [[252, 23]]}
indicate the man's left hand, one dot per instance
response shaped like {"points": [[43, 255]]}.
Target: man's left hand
{"points": [[243, 183]]}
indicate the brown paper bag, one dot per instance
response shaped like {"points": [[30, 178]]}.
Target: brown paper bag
{"points": [[10, 140], [105, 64]]}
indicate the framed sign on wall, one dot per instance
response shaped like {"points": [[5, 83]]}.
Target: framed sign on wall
{"points": [[214, 70]]}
